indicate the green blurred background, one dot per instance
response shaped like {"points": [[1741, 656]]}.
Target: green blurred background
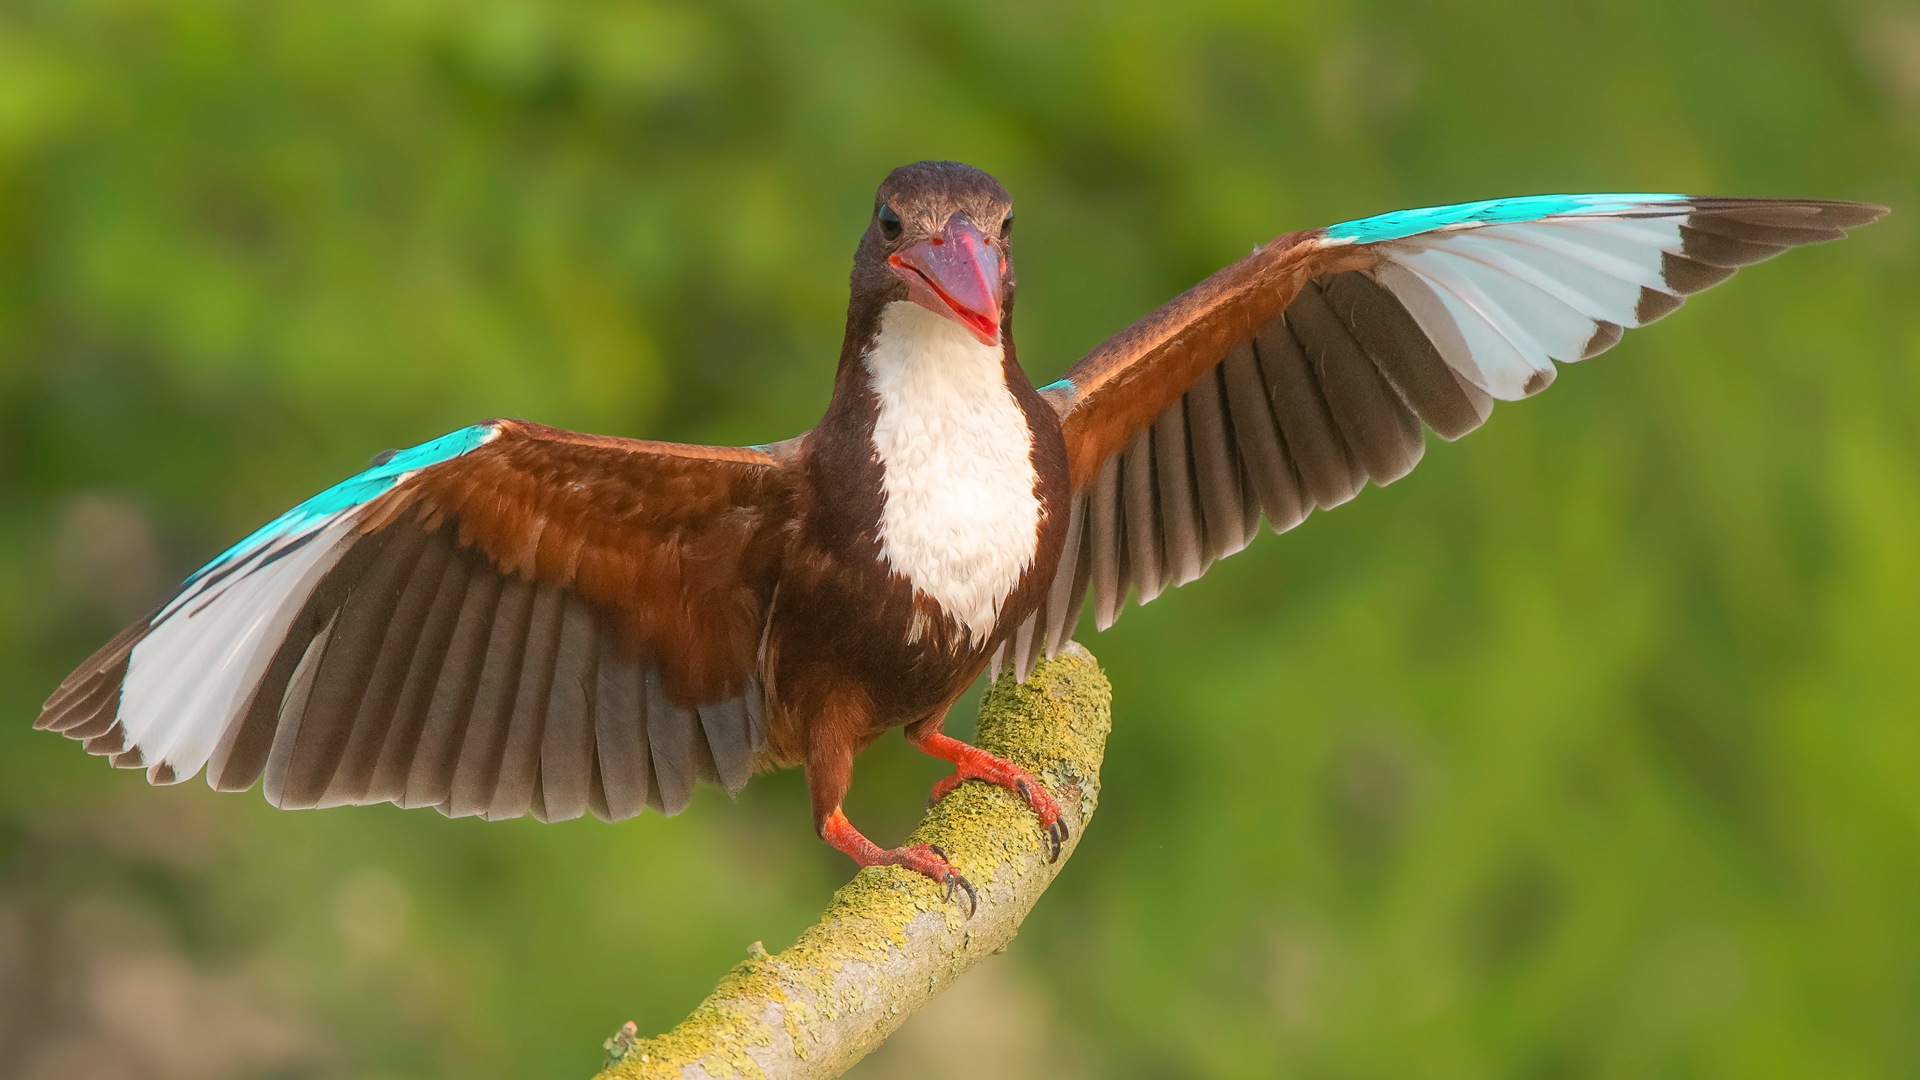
{"points": [[1591, 750]]}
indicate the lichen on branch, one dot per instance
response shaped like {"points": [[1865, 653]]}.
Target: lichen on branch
{"points": [[889, 941]]}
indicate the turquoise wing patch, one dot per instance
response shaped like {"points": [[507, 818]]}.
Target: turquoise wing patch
{"points": [[356, 490], [1403, 223]]}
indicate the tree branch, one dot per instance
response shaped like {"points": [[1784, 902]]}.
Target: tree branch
{"points": [[889, 941]]}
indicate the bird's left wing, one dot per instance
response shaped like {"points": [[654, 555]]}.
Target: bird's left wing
{"points": [[1289, 379], [508, 619]]}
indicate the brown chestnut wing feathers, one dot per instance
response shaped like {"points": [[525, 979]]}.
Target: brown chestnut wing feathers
{"points": [[548, 623], [1291, 378]]}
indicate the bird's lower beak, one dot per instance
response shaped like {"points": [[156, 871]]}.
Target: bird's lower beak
{"points": [[956, 274]]}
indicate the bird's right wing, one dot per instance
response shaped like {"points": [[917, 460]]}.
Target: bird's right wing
{"points": [[1289, 379], [508, 619]]}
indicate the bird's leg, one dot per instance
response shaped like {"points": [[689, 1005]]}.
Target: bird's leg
{"points": [[924, 859], [973, 763], [829, 774]]}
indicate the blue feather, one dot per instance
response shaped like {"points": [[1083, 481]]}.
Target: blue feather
{"points": [[356, 490], [1402, 223]]}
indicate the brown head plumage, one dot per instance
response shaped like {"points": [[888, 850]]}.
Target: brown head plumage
{"points": [[940, 237]]}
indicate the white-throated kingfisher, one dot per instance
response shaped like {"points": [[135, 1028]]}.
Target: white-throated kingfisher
{"points": [[516, 619]]}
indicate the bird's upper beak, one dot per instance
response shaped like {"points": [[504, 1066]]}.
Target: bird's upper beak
{"points": [[956, 274]]}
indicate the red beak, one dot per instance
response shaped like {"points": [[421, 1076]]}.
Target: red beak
{"points": [[956, 274]]}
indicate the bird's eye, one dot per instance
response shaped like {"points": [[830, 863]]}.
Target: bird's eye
{"points": [[889, 222], [1006, 227]]}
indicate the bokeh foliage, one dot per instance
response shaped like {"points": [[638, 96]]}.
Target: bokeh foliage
{"points": [[1590, 750]]}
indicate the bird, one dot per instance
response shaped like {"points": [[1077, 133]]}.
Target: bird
{"points": [[515, 619]]}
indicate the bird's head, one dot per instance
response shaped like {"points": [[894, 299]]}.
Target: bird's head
{"points": [[939, 238]]}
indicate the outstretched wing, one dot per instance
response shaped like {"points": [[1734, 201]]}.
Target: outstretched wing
{"points": [[1289, 379], [508, 619]]}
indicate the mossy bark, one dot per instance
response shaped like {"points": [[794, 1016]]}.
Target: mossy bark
{"points": [[889, 941]]}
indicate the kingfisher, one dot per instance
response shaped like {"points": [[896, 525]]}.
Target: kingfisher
{"points": [[516, 619]]}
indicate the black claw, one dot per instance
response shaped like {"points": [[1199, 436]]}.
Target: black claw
{"points": [[973, 899], [954, 881], [1057, 832], [1021, 787]]}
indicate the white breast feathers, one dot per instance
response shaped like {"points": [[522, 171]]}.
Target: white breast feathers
{"points": [[960, 517]]}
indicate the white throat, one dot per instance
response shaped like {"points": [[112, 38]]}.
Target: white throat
{"points": [[959, 513]]}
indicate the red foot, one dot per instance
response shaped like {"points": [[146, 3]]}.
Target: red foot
{"points": [[925, 859], [973, 763]]}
